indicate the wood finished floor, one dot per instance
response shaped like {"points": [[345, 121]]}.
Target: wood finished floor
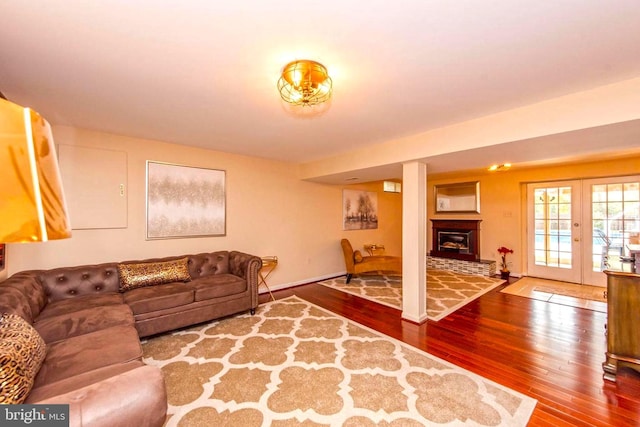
{"points": [[548, 351]]}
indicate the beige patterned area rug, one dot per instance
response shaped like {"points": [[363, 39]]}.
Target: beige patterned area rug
{"points": [[296, 364], [446, 291]]}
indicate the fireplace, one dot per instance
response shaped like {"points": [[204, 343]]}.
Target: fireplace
{"points": [[457, 239], [454, 241]]}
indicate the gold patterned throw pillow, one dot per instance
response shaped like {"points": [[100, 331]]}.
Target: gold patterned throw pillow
{"points": [[134, 276], [357, 257], [22, 351]]}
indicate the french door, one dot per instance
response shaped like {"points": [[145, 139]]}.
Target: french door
{"points": [[582, 227], [554, 209], [614, 220]]}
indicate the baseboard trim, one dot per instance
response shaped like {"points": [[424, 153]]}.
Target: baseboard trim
{"points": [[281, 286]]}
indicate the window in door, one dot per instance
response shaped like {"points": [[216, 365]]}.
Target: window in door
{"points": [[553, 227], [615, 218], [554, 246]]}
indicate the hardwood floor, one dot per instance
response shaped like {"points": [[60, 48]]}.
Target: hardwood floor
{"points": [[548, 351]]}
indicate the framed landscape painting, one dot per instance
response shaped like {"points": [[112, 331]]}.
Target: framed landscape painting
{"points": [[359, 210], [185, 201]]}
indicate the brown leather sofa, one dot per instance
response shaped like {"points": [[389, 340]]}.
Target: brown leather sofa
{"points": [[358, 264], [91, 329]]}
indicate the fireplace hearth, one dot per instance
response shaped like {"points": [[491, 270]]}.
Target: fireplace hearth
{"points": [[457, 239]]}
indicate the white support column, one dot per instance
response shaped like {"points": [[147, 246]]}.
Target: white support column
{"points": [[414, 241]]}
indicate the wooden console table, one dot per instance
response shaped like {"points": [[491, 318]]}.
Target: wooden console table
{"points": [[623, 335]]}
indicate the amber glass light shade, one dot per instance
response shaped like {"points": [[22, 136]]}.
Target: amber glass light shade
{"points": [[32, 204], [305, 82]]}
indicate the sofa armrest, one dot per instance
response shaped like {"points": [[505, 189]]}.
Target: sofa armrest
{"points": [[133, 398], [246, 266]]}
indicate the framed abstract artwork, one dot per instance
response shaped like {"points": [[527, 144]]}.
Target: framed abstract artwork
{"points": [[185, 201]]}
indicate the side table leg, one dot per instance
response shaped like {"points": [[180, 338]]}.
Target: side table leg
{"points": [[264, 282]]}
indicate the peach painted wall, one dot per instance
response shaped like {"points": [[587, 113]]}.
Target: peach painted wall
{"points": [[389, 232], [503, 198], [270, 211]]}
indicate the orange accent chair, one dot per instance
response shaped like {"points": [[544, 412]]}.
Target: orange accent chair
{"points": [[356, 263]]}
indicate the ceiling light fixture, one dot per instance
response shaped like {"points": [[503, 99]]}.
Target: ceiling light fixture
{"points": [[502, 167], [304, 82]]}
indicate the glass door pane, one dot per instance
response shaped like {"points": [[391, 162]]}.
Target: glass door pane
{"points": [[612, 209], [553, 227], [615, 219]]}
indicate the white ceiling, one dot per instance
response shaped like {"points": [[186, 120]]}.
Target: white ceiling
{"points": [[203, 72]]}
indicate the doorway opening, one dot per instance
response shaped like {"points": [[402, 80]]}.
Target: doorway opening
{"points": [[582, 227]]}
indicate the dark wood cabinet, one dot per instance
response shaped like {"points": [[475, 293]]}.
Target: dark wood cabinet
{"points": [[623, 323]]}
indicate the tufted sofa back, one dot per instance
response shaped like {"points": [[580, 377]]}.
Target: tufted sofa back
{"points": [[209, 263], [26, 293], [203, 264], [69, 282]]}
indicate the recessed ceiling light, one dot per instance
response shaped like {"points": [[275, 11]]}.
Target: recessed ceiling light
{"points": [[502, 167]]}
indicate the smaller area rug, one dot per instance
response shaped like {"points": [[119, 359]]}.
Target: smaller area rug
{"points": [[446, 291], [581, 296], [296, 364]]}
